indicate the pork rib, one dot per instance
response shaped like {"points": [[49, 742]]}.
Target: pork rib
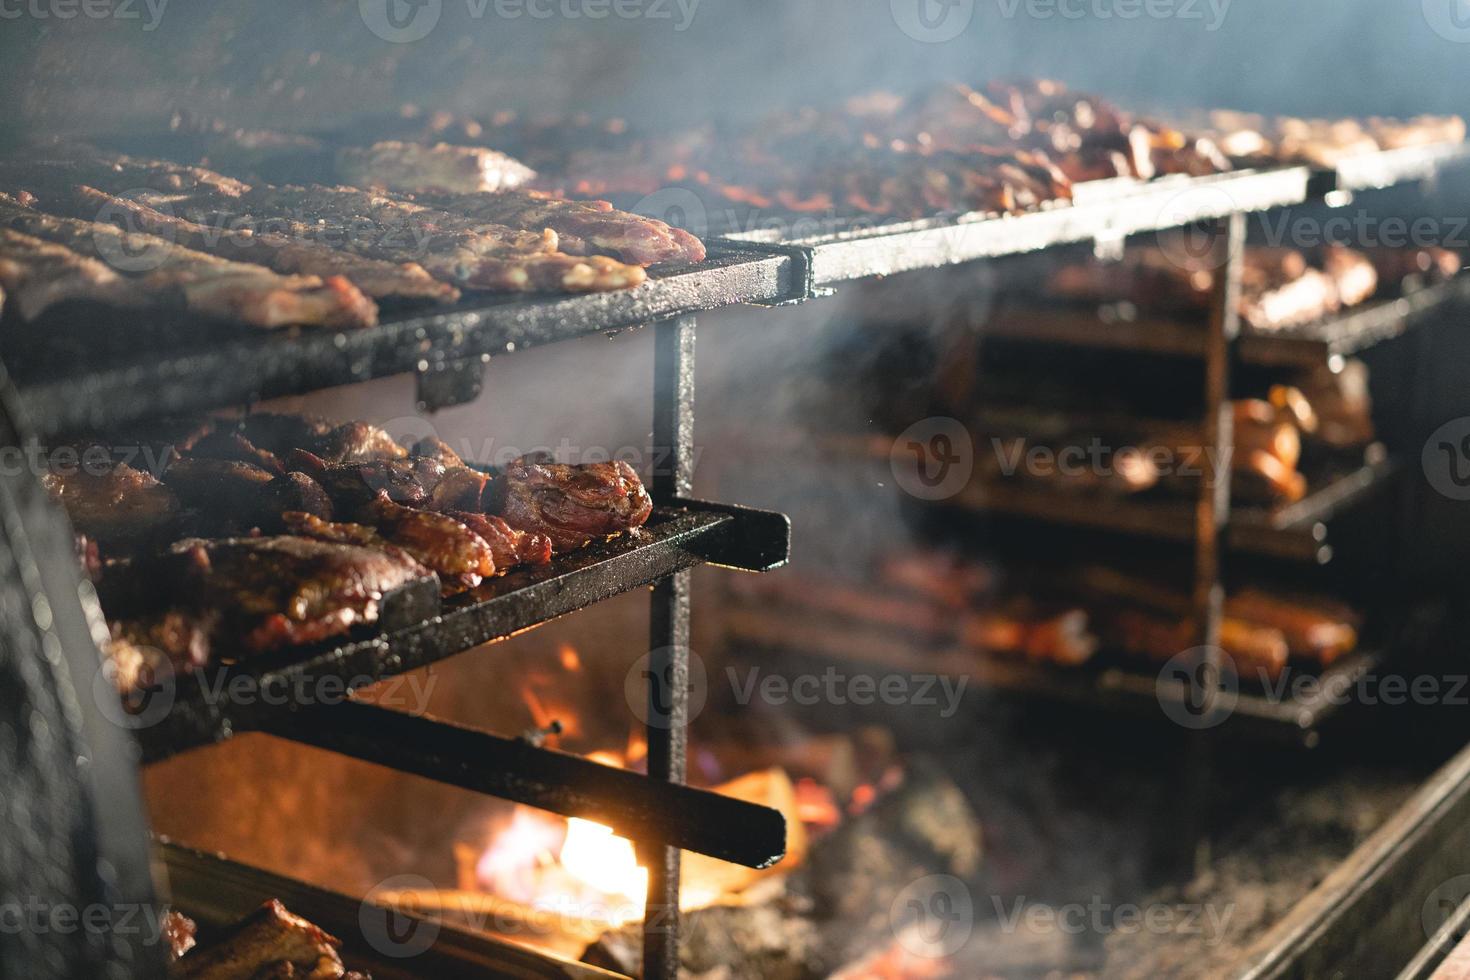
{"points": [[583, 226], [201, 283]]}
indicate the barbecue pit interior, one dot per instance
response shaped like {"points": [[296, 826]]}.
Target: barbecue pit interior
{"points": [[676, 490]]}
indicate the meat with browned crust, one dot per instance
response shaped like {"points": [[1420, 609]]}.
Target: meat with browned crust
{"points": [[287, 255], [117, 506], [264, 944], [583, 227], [571, 505], [460, 556], [175, 276], [510, 547], [268, 592]]}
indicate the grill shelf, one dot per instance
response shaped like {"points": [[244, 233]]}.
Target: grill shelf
{"points": [[1107, 683], [1295, 532], [1108, 211], [76, 389], [1306, 346], [675, 538]]}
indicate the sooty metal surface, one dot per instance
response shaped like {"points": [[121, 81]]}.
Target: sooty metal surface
{"points": [[74, 848], [212, 705], [78, 370], [853, 248]]}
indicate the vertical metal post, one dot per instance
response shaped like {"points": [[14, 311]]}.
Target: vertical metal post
{"points": [[1212, 513], [668, 666], [1212, 507]]}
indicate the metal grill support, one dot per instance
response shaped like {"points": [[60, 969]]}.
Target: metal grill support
{"points": [[668, 661]]}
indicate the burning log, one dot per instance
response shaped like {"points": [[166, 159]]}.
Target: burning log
{"points": [[834, 909]]}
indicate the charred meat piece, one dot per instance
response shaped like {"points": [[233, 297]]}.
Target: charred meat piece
{"points": [[178, 932], [227, 492], [71, 164], [118, 506], [184, 638], [432, 447], [582, 227], [36, 275], [461, 489], [353, 487], [227, 444], [461, 557], [509, 546], [293, 492], [357, 442], [470, 253], [571, 505], [175, 276], [268, 939], [398, 166], [268, 592], [280, 433], [284, 254]]}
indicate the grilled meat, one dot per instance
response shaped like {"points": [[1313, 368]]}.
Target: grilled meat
{"points": [[460, 556], [37, 274], [398, 166], [246, 595], [228, 444], [353, 487], [70, 164], [571, 505], [266, 943], [509, 546], [225, 492], [177, 276], [582, 227], [117, 505], [293, 492], [178, 932], [347, 442], [287, 255], [469, 253]]}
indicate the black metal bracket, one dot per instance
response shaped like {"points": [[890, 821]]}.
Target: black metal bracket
{"points": [[753, 541], [633, 805], [803, 276]]}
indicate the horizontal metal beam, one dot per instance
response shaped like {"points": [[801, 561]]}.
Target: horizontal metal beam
{"points": [[633, 805]]}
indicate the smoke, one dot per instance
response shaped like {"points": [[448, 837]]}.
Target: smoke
{"points": [[682, 62]]}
